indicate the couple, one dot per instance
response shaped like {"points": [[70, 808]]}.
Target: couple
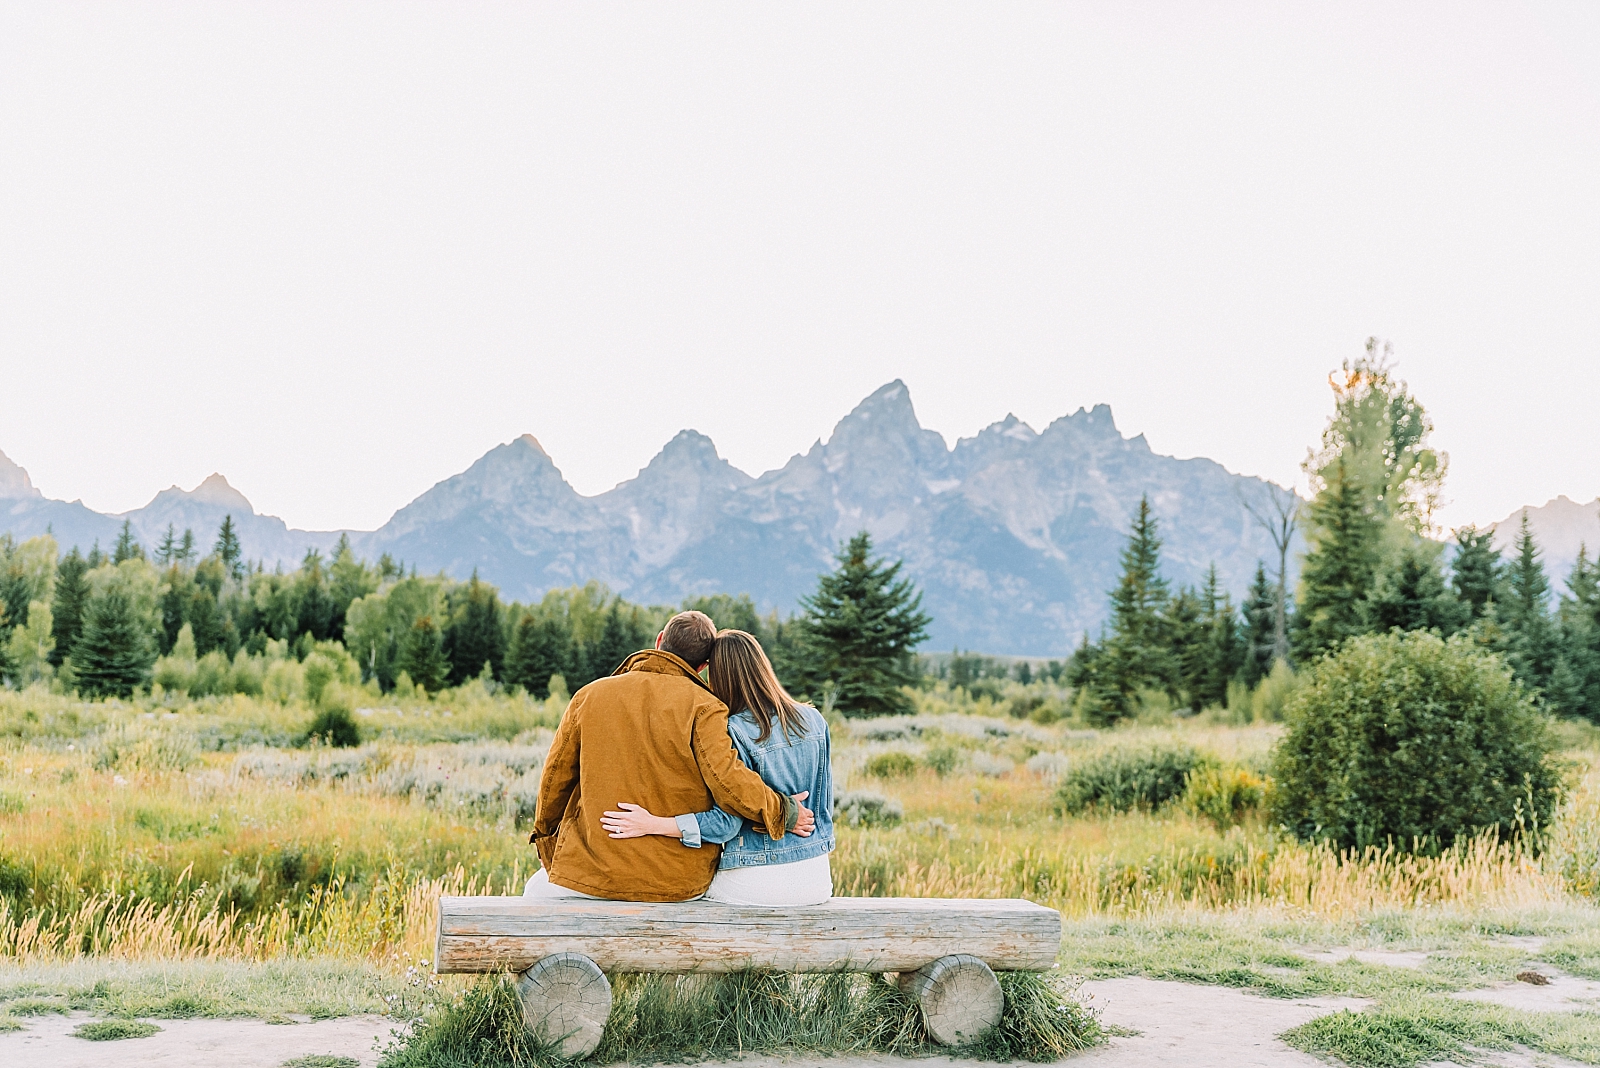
{"points": [[655, 738]]}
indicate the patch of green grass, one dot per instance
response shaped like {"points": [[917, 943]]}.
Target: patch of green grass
{"points": [[1266, 952], [1411, 1032], [322, 1060], [111, 1030], [37, 1007], [7, 1024], [176, 990], [674, 1018]]}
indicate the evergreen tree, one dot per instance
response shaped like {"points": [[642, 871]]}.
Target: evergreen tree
{"points": [[228, 549], [1476, 570], [859, 631], [423, 656], [1260, 610], [617, 641], [1139, 651], [475, 636], [1223, 644], [71, 598], [1339, 570], [113, 653], [1411, 594], [128, 547], [537, 652], [96, 557], [168, 549], [185, 551], [1579, 622], [313, 603], [1529, 638], [349, 578], [177, 590]]}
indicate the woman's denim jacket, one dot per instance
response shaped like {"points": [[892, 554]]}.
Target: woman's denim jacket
{"points": [[789, 764]]}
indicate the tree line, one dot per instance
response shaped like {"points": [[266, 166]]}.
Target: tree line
{"points": [[108, 624], [1371, 566]]}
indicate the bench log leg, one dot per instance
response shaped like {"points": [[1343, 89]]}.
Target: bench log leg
{"points": [[565, 1001], [959, 996]]}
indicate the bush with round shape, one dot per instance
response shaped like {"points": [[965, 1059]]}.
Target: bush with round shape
{"points": [[1411, 739], [1127, 778], [894, 764], [336, 727]]}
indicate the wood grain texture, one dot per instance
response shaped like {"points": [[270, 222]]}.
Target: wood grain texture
{"points": [[959, 996], [883, 934], [566, 999]]}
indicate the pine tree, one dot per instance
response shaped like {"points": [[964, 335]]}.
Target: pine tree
{"points": [[859, 631], [423, 656], [1224, 646], [71, 598], [1475, 573], [128, 547], [475, 636], [1339, 570], [228, 548], [313, 602], [1260, 611], [113, 654], [1411, 594], [617, 640], [185, 552], [168, 549], [538, 651], [1530, 641], [1579, 622]]}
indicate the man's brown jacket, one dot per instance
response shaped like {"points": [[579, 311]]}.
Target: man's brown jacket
{"points": [[652, 734]]}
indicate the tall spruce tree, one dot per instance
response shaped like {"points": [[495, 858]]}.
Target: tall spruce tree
{"points": [[113, 654], [1475, 573], [618, 639], [228, 549], [1530, 641], [71, 598], [128, 547], [167, 551], [859, 631], [1138, 651], [1339, 570], [423, 656], [476, 637], [538, 651], [1579, 621], [1260, 628]]}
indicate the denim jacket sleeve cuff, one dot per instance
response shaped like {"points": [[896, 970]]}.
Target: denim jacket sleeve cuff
{"points": [[689, 830]]}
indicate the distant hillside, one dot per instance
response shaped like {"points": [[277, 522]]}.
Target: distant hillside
{"points": [[1013, 534]]}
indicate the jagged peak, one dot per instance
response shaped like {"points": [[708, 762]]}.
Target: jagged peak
{"points": [[215, 489], [887, 409], [533, 442], [14, 480], [1097, 419]]}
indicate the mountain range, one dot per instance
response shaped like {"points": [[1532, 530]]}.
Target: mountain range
{"points": [[1013, 535]]}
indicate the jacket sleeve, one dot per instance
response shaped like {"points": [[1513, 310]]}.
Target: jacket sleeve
{"points": [[733, 786], [556, 784], [717, 826]]}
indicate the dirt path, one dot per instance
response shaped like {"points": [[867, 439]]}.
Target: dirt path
{"points": [[1198, 1026]]}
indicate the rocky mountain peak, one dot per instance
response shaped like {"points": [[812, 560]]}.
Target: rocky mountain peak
{"points": [[14, 481], [216, 490]]}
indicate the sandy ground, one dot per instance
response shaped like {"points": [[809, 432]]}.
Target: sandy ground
{"points": [[1199, 1026], [1177, 1023]]}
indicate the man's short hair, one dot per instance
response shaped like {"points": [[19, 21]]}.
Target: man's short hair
{"points": [[690, 635]]}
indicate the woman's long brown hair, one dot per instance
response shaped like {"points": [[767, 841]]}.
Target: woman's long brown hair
{"points": [[742, 676]]}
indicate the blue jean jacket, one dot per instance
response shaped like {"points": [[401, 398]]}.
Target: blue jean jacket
{"points": [[789, 764]]}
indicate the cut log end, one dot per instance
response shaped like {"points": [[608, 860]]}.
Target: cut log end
{"points": [[959, 996], [565, 1001]]}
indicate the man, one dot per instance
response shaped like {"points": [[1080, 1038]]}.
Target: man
{"points": [[653, 734]]}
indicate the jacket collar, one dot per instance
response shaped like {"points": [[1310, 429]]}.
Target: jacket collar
{"points": [[661, 662]]}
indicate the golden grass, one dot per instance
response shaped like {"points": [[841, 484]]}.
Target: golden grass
{"points": [[123, 836]]}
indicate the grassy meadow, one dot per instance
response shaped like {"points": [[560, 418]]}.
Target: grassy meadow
{"points": [[168, 856]]}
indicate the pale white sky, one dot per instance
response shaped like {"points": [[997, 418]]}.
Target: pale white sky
{"points": [[338, 251]]}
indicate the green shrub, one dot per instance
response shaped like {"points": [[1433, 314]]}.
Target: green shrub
{"points": [[862, 808], [891, 765], [1224, 795], [1412, 739], [336, 727], [942, 759], [1129, 778]]}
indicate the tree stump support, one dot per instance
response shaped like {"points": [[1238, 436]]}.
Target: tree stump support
{"points": [[565, 1001], [959, 997]]}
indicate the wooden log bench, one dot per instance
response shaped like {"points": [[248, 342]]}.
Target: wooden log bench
{"points": [[946, 951]]}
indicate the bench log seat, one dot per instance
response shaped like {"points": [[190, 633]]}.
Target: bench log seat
{"points": [[946, 951]]}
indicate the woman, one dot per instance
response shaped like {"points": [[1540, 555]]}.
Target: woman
{"points": [[784, 742]]}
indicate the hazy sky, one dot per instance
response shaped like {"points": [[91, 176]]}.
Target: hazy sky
{"points": [[338, 251]]}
